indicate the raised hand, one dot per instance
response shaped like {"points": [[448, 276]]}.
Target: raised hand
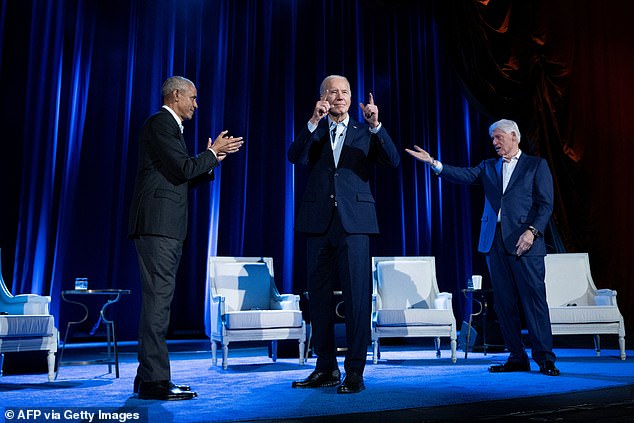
{"points": [[420, 154], [321, 109], [224, 145], [370, 112]]}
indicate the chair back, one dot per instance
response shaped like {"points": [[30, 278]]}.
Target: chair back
{"points": [[568, 280], [245, 282], [404, 282]]}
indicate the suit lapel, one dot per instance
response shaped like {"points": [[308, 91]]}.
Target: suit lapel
{"points": [[175, 124], [323, 133], [498, 172]]}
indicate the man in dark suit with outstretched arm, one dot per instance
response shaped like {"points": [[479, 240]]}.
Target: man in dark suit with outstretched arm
{"points": [[337, 214], [518, 191], [158, 225]]}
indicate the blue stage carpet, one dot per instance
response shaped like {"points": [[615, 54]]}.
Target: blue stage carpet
{"points": [[254, 388]]}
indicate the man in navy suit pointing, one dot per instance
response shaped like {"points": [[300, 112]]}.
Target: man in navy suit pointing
{"points": [[337, 213], [518, 191]]}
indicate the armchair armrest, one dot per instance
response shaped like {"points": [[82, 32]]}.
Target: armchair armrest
{"points": [[605, 297], [29, 298], [25, 304], [285, 302], [216, 313], [443, 301]]}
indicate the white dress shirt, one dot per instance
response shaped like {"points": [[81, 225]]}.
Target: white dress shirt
{"points": [[178, 120]]}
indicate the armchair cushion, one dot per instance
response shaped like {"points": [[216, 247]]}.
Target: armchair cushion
{"points": [[584, 314], [17, 326], [414, 317], [263, 319]]}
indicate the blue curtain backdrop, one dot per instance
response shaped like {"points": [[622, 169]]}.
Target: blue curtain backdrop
{"points": [[81, 76]]}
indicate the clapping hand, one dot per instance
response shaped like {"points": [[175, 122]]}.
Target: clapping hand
{"points": [[224, 145]]}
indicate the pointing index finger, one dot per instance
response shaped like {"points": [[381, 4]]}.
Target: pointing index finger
{"points": [[324, 95], [371, 99]]}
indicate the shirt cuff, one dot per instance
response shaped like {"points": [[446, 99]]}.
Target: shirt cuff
{"points": [[311, 127], [211, 171], [377, 129]]}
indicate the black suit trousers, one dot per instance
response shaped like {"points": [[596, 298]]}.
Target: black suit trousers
{"points": [[339, 256], [519, 281], [159, 258]]}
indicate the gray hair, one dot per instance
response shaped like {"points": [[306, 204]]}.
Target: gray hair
{"points": [[175, 83], [507, 126], [324, 83]]}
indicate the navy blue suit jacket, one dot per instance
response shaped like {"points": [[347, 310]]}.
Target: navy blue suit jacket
{"points": [[527, 201], [347, 183]]}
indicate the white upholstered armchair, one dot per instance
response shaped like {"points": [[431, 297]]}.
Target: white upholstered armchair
{"points": [[243, 304], [26, 325], [406, 302], [575, 304]]}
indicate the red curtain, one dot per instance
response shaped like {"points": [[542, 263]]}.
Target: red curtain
{"points": [[562, 69]]}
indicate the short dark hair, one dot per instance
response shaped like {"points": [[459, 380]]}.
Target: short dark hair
{"points": [[175, 83]]}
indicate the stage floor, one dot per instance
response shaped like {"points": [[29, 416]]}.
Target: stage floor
{"points": [[409, 384]]}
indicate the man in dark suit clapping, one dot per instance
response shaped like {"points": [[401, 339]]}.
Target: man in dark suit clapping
{"points": [[337, 213], [158, 225], [518, 201]]}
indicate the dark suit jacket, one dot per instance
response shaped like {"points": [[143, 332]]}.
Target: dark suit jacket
{"points": [[527, 201], [159, 203], [347, 184]]}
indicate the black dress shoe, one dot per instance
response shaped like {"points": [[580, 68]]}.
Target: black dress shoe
{"points": [[137, 382], [352, 384], [319, 380], [511, 366], [163, 391], [548, 368]]}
